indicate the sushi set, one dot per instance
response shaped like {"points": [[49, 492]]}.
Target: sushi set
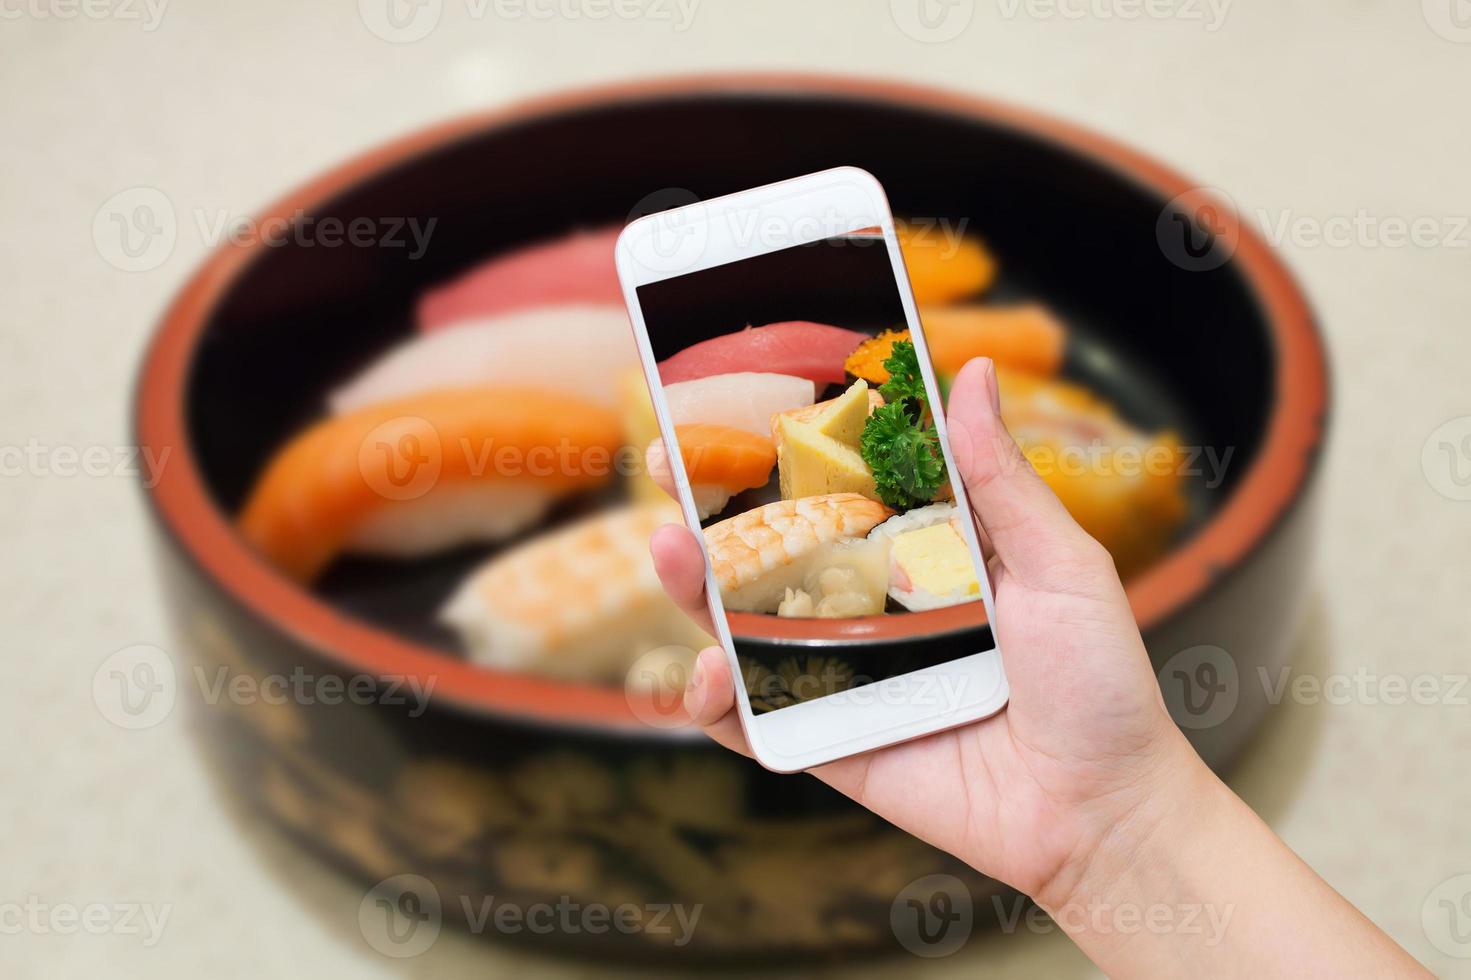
{"points": [[285, 381], [820, 494]]}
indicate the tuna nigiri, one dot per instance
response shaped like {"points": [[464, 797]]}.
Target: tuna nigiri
{"points": [[580, 602], [805, 350], [744, 400], [412, 476], [577, 349], [721, 462], [761, 554], [575, 269]]}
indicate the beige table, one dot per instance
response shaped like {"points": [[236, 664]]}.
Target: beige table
{"points": [[1309, 113]]}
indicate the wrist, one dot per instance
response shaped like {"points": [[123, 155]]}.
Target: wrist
{"points": [[1144, 827]]}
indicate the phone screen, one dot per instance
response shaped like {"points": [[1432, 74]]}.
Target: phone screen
{"points": [[808, 438]]}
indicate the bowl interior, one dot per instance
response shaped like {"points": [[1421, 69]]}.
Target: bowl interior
{"points": [[1188, 350]]}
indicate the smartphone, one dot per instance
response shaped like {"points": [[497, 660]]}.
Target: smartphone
{"points": [[805, 434]]}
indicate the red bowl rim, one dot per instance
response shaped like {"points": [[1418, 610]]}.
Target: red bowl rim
{"points": [[1269, 487]]}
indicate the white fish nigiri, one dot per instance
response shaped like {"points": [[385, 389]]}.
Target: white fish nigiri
{"points": [[745, 400], [577, 349]]}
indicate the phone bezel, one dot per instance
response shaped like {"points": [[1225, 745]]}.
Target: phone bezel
{"points": [[726, 229]]}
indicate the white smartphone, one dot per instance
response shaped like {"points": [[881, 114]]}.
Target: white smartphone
{"points": [[806, 437]]}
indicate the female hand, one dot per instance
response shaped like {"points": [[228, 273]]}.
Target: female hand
{"points": [[1082, 791]]}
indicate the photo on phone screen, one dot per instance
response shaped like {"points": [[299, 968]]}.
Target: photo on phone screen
{"points": [[808, 438]]}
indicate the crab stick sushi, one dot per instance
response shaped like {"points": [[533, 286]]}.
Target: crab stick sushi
{"points": [[413, 476]]}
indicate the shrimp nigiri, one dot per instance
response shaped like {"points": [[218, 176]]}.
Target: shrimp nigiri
{"points": [[721, 461], [759, 555], [413, 476]]}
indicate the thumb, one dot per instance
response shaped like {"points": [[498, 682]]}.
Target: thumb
{"points": [[1035, 537]]}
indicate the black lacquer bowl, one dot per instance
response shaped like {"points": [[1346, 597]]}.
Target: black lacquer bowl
{"points": [[534, 790]]}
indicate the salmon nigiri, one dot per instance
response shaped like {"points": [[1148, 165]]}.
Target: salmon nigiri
{"points": [[419, 474], [721, 461], [577, 268]]}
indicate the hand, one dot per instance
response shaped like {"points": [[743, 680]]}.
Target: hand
{"points": [[1082, 793], [1025, 796]]}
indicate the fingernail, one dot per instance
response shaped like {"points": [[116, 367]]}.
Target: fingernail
{"points": [[994, 389], [694, 694]]}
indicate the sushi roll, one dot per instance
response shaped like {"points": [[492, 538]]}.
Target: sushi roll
{"points": [[581, 350], [744, 400], [414, 476], [720, 462], [576, 269], [581, 602], [930, 565], [759, 555]]}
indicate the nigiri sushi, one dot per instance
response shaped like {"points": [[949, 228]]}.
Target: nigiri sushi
{"points": [[721, 461], [580, 602], [1027, 337], [805, 350], [943, 268], [757, 556], [930, 564], [580, 350], [438, 469], [744, 400], [577, 268]]}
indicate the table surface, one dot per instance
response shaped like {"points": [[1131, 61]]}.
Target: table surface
{"points": [[1312, 114]]}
